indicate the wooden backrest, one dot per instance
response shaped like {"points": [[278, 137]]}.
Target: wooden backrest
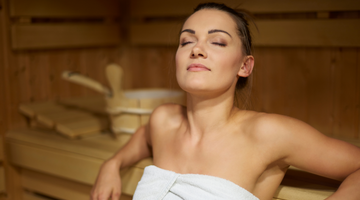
{"points": [[280, 22], [43, 24]]}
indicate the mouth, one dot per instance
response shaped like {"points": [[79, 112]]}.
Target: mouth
{"points": [[196, 67]]}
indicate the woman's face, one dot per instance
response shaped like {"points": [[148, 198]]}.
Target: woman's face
{"points": [[209, 56]]}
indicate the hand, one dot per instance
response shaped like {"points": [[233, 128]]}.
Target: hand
{"points": [[108, 182]]}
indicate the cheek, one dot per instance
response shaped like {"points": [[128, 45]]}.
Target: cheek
{"points": [[180, 59], [230, 62], [177, 58], [178, 63]]}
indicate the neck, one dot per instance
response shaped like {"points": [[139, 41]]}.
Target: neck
{"points": [[206, 115]]}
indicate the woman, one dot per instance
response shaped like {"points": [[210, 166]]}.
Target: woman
{"points": [[247, 151]]}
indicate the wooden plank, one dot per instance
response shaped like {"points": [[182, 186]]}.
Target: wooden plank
{"points": [[299, 190], [58, 163], [154, 66], [130, 178], [64, 8], [358, 94], [2, 179], [13, 179], [47, 36], [342, 33], [319, 88], [82, 127], [62, 117], [158, 8], [271, 33], [99, 147], [68, 121], [54, 186], [166, 33], [32, 196], [346, 107], [33, 109], [1, 149], [95, 104]]}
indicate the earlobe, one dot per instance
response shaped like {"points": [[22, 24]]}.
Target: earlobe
{"points": [[246, 66]]}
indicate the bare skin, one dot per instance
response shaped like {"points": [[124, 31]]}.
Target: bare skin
{"points": [[210, 136]]}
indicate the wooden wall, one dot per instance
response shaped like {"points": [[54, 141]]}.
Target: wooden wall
{"points": [[311, 75], [306, 56], [318, 85], [31, 71]]}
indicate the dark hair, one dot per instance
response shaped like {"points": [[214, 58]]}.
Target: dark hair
{"points": [[242, 24]]}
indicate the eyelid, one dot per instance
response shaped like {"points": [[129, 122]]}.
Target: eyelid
{"points": [[186, 40], [220, 44], [185, 43]]}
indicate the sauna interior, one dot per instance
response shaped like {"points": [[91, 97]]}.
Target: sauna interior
{"points": [[307, 66]]}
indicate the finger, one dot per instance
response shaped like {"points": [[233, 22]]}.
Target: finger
{"points": [[104, 195], [116, 195]]}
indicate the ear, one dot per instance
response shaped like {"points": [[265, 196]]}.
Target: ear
{"points": [[246, 66]]}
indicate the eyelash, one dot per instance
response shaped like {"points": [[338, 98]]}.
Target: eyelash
{"points": [[220, 44], [185, 43], [216, 43]]}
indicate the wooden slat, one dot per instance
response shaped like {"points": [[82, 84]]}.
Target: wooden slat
{"points": [[1, 149], [58, 163], [155, 33], [158, 8], [54, 186], [64, 8], [298, 190], [99, 147], [271, 33], [94, 104], [343, 33], [358, 96], [31, 196], [130, 178], [82, 127], [69, 159], [33, 109], [2, 179], [345, 94], [68, 121], [44, 36]]}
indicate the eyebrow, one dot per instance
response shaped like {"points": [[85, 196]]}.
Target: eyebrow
{"points": [[218, 30], [209, 32], [187, 30]]}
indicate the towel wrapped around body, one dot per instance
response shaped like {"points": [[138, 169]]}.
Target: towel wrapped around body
{"points": [[160, 184]]}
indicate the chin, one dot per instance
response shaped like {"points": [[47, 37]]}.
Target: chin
{"points": [[196, 89]]}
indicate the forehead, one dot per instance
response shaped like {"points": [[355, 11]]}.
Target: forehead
{"points": [[210, 19]]}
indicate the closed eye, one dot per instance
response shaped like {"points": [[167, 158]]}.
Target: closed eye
{"points": [[185, 43], [220, 44]]}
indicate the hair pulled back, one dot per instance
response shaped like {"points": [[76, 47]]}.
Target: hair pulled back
{"points": [[243, 84]]}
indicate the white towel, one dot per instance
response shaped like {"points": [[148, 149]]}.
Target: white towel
{"points": [[160, 184]]}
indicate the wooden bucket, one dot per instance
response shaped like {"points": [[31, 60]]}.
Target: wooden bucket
{"points": [[137, 105], [128, 109]]}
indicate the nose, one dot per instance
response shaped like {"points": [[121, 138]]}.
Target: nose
{"points": [[198, 51]]}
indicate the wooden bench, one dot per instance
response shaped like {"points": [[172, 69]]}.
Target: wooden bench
{"points": [[55, 166]]}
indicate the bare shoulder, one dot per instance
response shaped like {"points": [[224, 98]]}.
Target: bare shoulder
{"points": [[280, 134], [167, 115], [299, 144], [264, 125]]}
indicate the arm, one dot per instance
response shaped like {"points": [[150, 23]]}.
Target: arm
{"points": [[304, 147], [108, 182]]}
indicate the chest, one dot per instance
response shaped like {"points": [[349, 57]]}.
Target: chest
{"points": [[234, 159]]}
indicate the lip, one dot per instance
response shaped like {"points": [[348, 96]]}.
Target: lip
{"points": [[196, 67]]}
